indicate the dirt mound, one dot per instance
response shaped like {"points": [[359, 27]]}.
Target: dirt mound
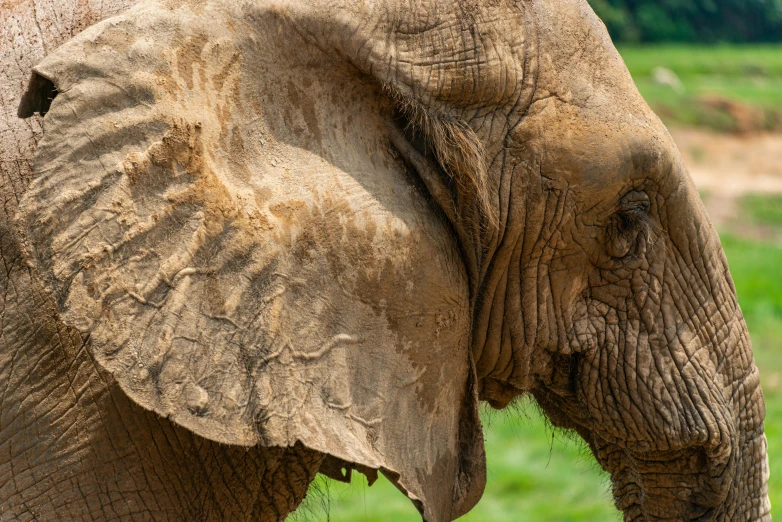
{"points": [[723, 114], [726, 167], [741, 118]]}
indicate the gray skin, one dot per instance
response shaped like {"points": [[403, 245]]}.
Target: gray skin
{"points": [[251, 241]]}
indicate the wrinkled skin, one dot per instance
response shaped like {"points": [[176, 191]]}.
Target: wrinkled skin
{"points": [[477, 204]]}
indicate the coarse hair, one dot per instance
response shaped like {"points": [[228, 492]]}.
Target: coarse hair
{"points": [[458, 151]]}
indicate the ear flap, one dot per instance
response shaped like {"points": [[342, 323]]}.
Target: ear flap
{"points": [[244, 261]]}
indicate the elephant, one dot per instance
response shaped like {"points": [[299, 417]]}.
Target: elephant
{"points": [[249, 241]]}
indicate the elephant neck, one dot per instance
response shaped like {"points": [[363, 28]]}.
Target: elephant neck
{"points": [[496, 298]]}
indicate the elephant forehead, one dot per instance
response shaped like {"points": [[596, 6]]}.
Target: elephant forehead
{"points": [[599, 154]]}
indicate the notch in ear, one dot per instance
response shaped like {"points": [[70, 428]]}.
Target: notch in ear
{"points": [[38, 97]]}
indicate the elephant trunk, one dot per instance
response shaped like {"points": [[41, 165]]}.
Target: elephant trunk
{"points": [[702, 407], [732, 410], [750, 492], [701, 456], [719, 473], [662, 383]]}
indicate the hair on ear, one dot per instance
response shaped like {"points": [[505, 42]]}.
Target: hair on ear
{"points": [[458, 151]]}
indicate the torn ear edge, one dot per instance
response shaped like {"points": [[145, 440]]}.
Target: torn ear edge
{"points": [[471, 482], [37, 97], [342, 470]]}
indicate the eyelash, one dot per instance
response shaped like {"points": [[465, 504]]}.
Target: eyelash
{"points": [[629, 232]]}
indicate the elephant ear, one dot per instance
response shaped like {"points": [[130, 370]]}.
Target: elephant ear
{"points": [[246, 261]]}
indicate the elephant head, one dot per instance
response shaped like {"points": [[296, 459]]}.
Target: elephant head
{"points": [[342, 224]]}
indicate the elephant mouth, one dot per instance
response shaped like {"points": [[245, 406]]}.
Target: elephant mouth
{"points": [[687, 483], [637, 505], [684, 485], [699, 482]]}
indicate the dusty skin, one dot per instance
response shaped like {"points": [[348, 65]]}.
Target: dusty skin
{"points": [[244, 242]]}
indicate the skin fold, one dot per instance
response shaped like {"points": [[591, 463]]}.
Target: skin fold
{"points": [[244, 242]]}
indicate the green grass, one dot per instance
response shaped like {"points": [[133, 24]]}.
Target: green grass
{"points": [[764, 211], [728, 61], [757, 271], [534, 474], [749, 76], [535, 477]]}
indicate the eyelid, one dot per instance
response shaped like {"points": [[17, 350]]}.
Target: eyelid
{"points": [[640, 207], [635, 201]]}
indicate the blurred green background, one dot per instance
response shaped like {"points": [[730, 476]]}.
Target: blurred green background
{"points": [[703, 21], [728, 86], [725, 87]]}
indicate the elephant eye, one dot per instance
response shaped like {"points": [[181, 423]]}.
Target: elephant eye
{"points": [[630, 227]]}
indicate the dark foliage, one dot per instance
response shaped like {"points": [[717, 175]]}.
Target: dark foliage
{"points": [[691, 20]]}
